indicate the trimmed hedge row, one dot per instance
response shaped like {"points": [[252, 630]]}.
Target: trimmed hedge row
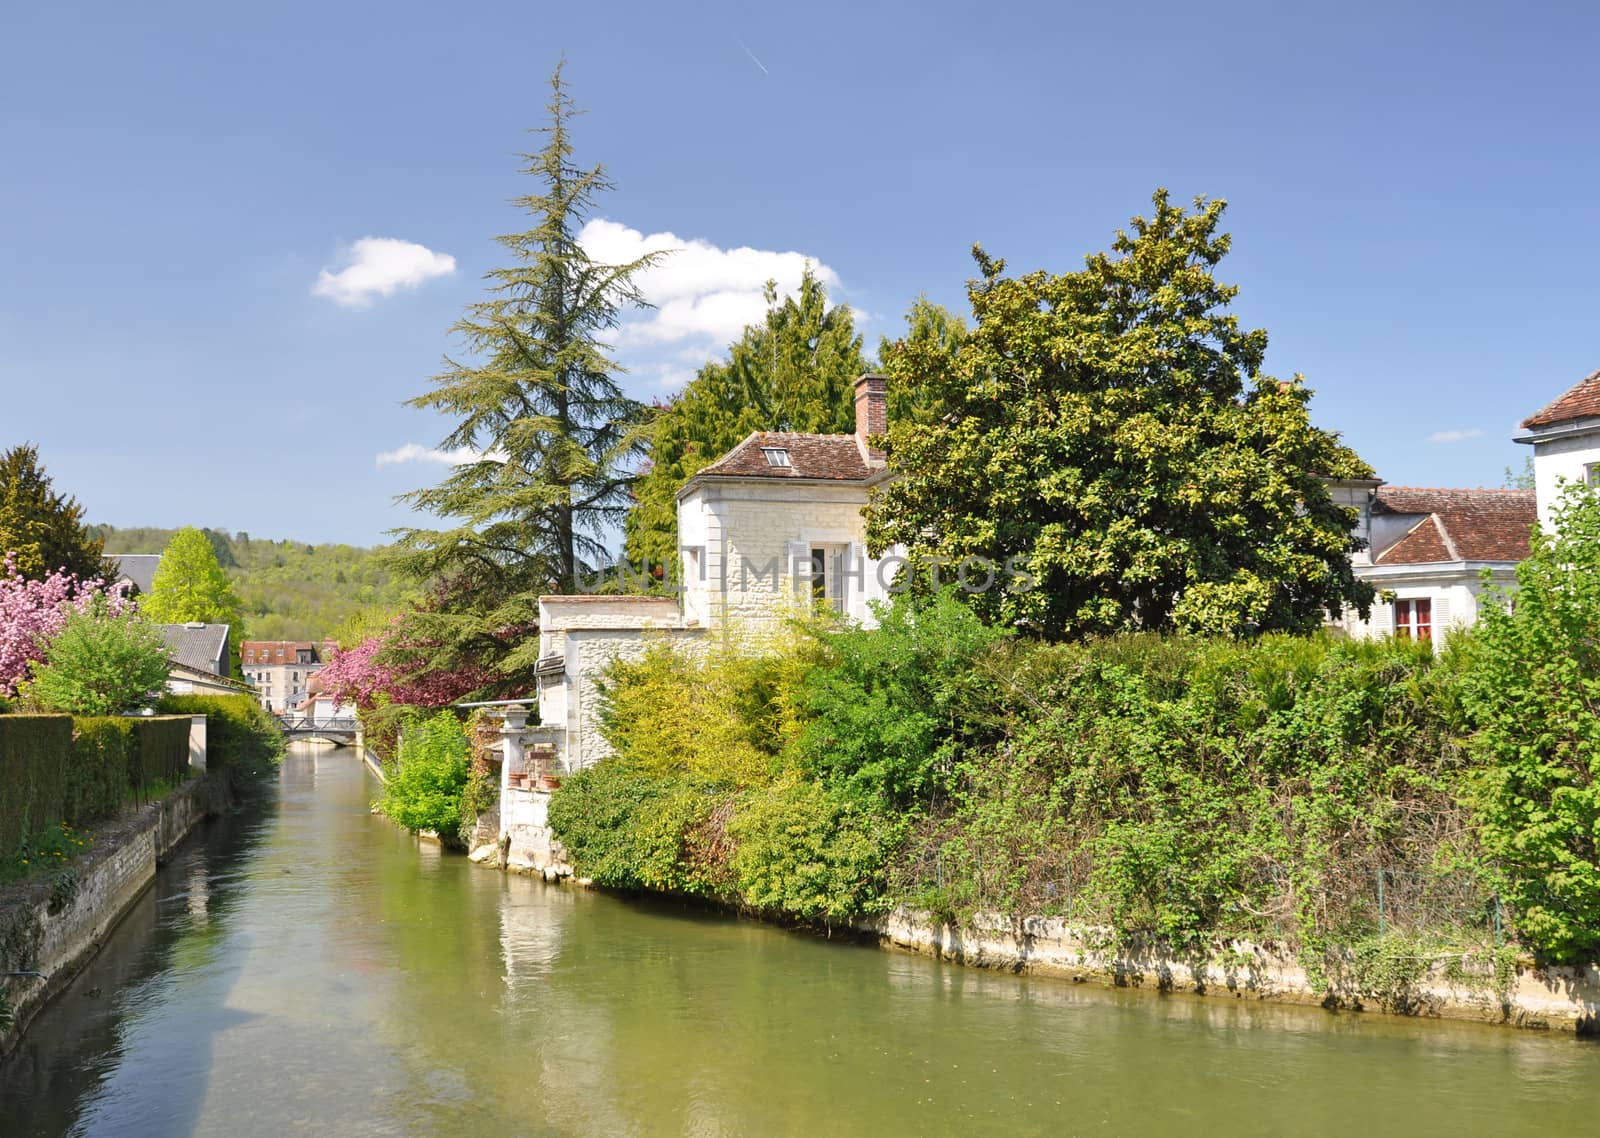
{"points": [[34, 753], [54, 768], [241, 736]]}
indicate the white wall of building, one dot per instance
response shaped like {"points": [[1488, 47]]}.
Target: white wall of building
{"points": [[1560, 455], [1454, 591], [747, 549], [585, 633]]}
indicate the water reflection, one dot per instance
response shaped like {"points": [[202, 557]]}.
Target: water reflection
{"points": [[313, 970]]}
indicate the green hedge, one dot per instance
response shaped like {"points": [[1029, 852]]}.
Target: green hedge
{"points": [[241, 737], [115, 758], [163, 752], [97, 783], [55, 768], [34, 758]]}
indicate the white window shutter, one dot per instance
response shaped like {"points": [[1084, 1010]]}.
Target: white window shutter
{"points": [[797, 554], [1441, 612]]}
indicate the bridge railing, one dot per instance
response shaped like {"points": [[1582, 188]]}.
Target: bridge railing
{"points": [[307, 724]]}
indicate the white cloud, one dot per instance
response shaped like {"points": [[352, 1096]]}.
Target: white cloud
{"points": [[378, 266], [416, 452], [1456, 436], [704, 295]]}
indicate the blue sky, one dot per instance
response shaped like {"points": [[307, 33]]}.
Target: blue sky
{"points": [[1412, 203]]}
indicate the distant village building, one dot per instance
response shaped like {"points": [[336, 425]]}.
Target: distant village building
{"points": [[280, 670], [772, 529], [198, 659], [135, 569], [321, 706]]}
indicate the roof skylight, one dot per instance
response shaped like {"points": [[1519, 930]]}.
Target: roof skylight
{"points": [[776, 456]]}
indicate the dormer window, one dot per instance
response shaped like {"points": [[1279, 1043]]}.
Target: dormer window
{"points": [[777, 456]]}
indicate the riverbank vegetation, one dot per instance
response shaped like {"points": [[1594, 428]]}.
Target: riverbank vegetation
{"points": [[1144, 727], [1305, 790]]}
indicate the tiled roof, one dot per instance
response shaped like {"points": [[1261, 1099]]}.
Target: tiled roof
{"points": [[1423, 544], [1579, 402], [809, 456], [140, 568], [262, 651], [1458, 525], [197, 645]]}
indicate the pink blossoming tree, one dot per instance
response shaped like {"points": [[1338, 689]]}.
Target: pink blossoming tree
{"points": [[361, 676], [33, 612]]}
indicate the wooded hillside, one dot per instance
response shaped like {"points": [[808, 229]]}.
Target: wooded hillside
{"points": [[290, 590]]}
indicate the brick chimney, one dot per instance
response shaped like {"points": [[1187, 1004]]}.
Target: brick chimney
{"points": [[872, 415]]}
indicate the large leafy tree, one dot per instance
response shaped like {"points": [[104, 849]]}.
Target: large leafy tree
{"points": [[190, 584], [41, 529], [537, 400], [795, 371], [1109, 434]]}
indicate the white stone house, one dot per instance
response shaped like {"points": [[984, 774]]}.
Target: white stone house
{"points": [[1427, 550], [1565, 436], [771, 530]]}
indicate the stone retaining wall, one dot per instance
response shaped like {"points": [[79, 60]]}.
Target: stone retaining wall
{"points": [[1561, 999], [55, 926]]}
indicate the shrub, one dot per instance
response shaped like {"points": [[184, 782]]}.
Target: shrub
{"points": [[1530, 684], [241, 736], [32, 612], [426, 782], [100, 663], [721, 717], [892, 708], [802, 849]]}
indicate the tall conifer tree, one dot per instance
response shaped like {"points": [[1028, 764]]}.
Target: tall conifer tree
{"points": [[557, 442], [41, 529]]}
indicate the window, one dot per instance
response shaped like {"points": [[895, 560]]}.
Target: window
{"points": [[827, 578], [777, 456], [1413, 619]]}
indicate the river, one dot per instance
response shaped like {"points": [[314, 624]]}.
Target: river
{"points": [[306, 968]]}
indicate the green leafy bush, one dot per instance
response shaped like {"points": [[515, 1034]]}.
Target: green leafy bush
{"points": [[597, 814], [100, 663], [721, 717], [891, 709], [1530, 686], [429, 776], [808, 851], [241, 737]]}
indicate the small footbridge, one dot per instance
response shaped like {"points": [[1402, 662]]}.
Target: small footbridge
{"points": [[341, 732]]}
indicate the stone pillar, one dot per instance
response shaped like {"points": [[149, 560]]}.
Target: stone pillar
{"points": [[197, 742], [513, 722]]}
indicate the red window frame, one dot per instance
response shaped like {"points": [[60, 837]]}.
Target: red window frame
{"points": [[1413, 618]]}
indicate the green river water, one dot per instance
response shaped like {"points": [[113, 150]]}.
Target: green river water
{"points": [[309, 969]]}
